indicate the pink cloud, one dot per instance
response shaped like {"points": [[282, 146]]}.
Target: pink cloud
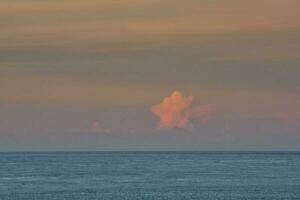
{"points": [[202, 113], [176, 111], [98, 127], [289, 116]]}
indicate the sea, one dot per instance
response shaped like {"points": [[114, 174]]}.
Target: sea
{"points": [[150, 175]]}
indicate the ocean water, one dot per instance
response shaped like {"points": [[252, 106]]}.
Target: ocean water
{"points": [[150, 175]]}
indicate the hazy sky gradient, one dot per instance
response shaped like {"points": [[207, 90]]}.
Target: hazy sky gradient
{"points": [[83, 75]]}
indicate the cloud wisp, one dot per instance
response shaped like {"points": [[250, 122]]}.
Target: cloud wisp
{"points": [[99, 128], [176, 111]]}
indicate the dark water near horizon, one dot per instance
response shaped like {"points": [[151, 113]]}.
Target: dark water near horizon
{"points": [[150, 175]]}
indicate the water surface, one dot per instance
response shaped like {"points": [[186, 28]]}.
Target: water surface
{"points": [[150, 175]]}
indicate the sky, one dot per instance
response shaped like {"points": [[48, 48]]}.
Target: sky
{"points": [[149, 75]]}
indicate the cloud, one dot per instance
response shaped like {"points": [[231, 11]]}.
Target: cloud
{"points": [[202, 112], [98, 127], [289, 117], [176, 111]]}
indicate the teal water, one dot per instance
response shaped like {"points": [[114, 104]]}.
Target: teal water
{"points": [[150, 175]]}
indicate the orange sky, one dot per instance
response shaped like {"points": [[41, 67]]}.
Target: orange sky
{"points": [[68, 68]]}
